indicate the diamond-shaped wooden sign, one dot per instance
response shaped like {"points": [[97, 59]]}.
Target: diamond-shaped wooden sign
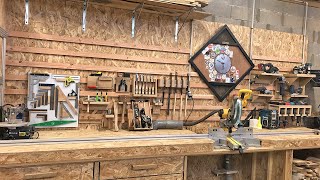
{"points": [[222, 63]]}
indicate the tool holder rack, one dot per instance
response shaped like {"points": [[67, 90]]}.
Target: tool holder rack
{"points": [[292, 110], [109, 121], [298, 80], [259, 77], [147, 88]]}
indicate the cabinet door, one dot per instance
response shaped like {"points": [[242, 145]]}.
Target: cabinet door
{"points": [[141, 167], [160, 177], [52, 172]]}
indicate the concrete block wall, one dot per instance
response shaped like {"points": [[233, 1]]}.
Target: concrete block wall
{"points": [[273, 15]]}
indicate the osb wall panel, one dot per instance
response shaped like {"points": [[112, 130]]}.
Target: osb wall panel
{"points": [[2, 13], [266, 44], [277, 44], [63, 18]]}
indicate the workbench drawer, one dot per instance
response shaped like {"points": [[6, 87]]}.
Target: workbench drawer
{"points": [[52, 172], [141, 167], [160, 177]]}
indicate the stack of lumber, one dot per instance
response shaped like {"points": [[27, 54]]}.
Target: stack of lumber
{"points": [[308, 169], [199, 3], [194, 3]]}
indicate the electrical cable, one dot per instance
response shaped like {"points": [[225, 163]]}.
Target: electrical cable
{"points": [[201, 120], [191, 110]]}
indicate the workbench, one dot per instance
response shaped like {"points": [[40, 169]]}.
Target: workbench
{"points": [[145, 159]]}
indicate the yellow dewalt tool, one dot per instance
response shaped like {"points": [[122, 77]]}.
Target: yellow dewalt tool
{"points": [[234, 144], [244, 95], [230, 119], [68, 80]]}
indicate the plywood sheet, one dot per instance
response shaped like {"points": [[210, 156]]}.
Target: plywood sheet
{"points": [[277, 44]]}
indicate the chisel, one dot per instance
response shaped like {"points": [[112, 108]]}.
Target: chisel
{"points": [[175, 94], [169, 94], [181, 101]]}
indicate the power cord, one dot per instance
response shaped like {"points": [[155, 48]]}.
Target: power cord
{"points": [[191, 108]]}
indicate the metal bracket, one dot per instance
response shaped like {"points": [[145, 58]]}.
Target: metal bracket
{"points": [[133, 23], [26, 16], [177, 30], [134, 19], [84, 14]]}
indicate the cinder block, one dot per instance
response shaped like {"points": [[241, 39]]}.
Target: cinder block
{"points": [[294, 9], [314, 48], [273, 5], [314, 13], [313, 24], [314, 36], [219, 8], [297, 30], [270, 17], [260, 25], [227, 20], [258, 15], [240, 13], [293, 21], [243, 3]]}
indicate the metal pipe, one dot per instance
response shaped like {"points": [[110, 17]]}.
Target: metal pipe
{"points": [[3, 63], [305, 32], [251, 37], [191, 43], [227, 166], [251, 28]]}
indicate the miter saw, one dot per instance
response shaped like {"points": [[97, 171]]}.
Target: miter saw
{"points": [[230, 120]]}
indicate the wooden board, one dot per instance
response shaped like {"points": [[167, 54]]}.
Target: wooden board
{"points": [[2, 14], [57, 172]]}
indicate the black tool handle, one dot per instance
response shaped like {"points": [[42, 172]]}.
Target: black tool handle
{"points": [[168, 108]]}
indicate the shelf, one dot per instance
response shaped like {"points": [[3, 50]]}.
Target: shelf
{"points": [[261, 98], [292, 110], [157, 7], [298, 96], [301, 79], [95, 103], [260, 77], [109, 116]]}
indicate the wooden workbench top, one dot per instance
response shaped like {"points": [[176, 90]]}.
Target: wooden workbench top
{"points": [[13, 156]]}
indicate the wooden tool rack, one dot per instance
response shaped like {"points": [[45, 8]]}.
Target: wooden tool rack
{"points": [[263, 78], [107, 118], [292, 110]]}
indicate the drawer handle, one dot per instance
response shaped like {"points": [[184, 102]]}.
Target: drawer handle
{"points": [[40, 175], [144, 167]]}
